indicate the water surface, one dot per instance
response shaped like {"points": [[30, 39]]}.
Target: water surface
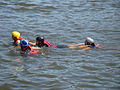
{"points": [[61, 22]]}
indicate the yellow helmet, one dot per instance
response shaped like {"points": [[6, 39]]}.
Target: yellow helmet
{"points": [[16, 34]]}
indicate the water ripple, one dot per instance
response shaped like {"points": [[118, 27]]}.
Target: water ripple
{"points": [[61, 22]]}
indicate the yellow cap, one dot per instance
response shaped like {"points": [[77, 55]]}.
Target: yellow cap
{"points": [[16, 34]]}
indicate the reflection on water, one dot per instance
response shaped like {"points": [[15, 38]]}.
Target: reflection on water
{"points": [[61, 22]]}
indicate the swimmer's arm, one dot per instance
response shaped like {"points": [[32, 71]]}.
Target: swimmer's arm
{"points": [[32, 43], [75, 44], [86, 48], [36, 48], [98, 46], [78, 44]]}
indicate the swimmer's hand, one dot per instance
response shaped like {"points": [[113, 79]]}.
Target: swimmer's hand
{"points": [[99, 46]]}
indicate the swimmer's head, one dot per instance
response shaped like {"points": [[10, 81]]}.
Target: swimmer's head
{"points": [[41, 39], [24, 42], [89, 41], [15, 34]]}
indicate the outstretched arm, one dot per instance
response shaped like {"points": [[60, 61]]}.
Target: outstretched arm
{"points": [[32, 43], [99, 46], [76, 45], [36, 48]]}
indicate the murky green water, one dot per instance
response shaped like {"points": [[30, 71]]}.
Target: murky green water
{"points": [[61, 22]]}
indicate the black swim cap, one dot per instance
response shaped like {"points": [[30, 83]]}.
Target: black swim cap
{"points": [[39, 39]]}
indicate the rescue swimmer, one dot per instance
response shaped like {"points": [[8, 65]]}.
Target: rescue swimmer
{"points": [[26, 49], [88, 44], [16, 38]]}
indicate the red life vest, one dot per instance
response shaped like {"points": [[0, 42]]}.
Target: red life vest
{"points": [[49, 44], [31, 52], [20, 38]]}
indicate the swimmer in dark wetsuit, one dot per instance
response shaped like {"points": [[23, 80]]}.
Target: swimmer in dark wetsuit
{"points": [[88, 44]]}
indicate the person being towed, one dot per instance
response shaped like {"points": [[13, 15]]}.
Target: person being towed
{"points": [[88, 44]]}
